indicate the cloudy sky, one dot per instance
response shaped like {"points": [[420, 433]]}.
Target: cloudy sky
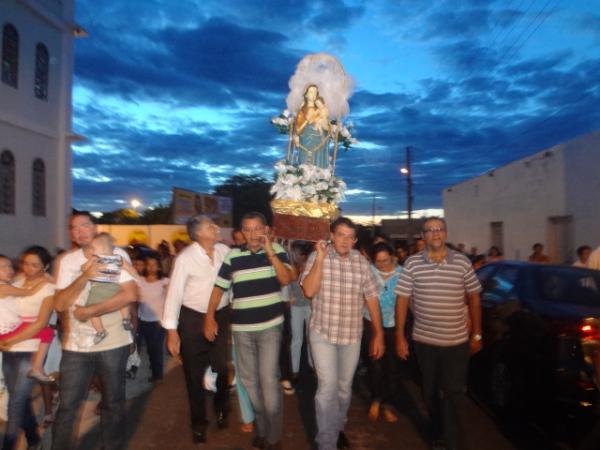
{"points": [[181, 93]]}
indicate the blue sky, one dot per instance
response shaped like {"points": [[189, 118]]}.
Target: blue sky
{"points": [[181, 93]]}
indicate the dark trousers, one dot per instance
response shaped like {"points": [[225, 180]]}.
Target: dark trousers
{"points": [[285, 354], [154, 336], [197, 354], [76, 372], [383, 372], [444, 379]]}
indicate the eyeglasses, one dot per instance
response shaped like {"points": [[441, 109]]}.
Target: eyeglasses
{"points": [[434, 230]]}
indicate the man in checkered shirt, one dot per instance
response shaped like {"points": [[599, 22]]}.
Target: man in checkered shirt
{"points": [[339, 281]]}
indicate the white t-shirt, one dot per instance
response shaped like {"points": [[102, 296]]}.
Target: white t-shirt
{"points": [[152, 299], [79, 336], [29, 309]]}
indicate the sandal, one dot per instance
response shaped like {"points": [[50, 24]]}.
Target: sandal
{"points": [[41, 378], [373, 412], [389, 415], [247, 427]]}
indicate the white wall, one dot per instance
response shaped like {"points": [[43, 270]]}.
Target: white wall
{"points": [[522, 195], [582, 165], [31, 127]]}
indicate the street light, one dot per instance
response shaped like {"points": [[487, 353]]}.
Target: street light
{"points": [[135, 203], [406, 170]]}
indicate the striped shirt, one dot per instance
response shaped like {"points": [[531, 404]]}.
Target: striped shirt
{"points": [[438, 297], [257, 302], [337, 308]]}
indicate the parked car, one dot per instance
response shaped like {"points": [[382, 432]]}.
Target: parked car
{"points": [[541, 332]]}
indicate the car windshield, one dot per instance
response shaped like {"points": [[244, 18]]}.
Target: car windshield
{"points": [[570, 285]]}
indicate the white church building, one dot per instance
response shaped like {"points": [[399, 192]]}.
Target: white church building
{"points": [[551, 197], [35, 122]]}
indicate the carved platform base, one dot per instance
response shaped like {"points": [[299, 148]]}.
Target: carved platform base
{"points": [[300, 227]]}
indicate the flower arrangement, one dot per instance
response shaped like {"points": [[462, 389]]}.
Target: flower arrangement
{"points": [[284, 120], [345, 137], [307, 183]]}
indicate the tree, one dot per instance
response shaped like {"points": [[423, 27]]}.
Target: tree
{"points": [[125, 216], [248, 193], [161, 214]]}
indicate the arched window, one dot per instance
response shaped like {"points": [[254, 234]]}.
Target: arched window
{"points": [[38, 188], [7, 182], [40, 87], [10, 55]]}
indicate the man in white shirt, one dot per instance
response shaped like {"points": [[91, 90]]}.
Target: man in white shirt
{"points": [[192, 280], [583, 255], [81, 358]]}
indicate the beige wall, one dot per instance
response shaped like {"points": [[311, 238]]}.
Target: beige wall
{"points": [[153, 234]]}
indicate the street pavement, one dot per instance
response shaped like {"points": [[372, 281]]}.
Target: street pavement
{"points": [[158, 419]]}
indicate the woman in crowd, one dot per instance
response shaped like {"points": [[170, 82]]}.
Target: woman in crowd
{"points": [[494, 254], [20, 347], [383, 372], [152, 294], [300, 308]]}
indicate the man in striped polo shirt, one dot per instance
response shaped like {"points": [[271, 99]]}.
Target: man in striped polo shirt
{"points": [[446, 329], [256, 272]]}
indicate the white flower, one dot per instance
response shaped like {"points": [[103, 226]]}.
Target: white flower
{"points": [[321, 186], [309, 190], [294, 193], [286, 113], [308, 172]]}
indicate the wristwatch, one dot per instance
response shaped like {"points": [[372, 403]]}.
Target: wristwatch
{"points": [[476, 337]]}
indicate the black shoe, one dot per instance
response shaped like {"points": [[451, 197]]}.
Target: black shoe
{"points": [[259, 442], [438, 444], [343, 442], [222, 420], [199, 437]]}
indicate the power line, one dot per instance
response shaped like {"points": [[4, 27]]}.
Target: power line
{"points": [[507, 52], [508, 32]]}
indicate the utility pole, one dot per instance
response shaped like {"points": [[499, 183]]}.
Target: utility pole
{"points": [[407, 170], [373, 218]]}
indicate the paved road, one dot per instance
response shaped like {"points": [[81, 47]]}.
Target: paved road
{"points": [[158, 419]]}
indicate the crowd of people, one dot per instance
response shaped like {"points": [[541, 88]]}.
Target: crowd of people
{"points": [[341, 301]]}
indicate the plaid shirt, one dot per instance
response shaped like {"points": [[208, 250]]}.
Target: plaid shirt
{"points": [[337, 309]]}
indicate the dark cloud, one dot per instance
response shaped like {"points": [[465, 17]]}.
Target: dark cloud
{"points": [[466, 57], [477, 109], [215, 64], [453, 23]]}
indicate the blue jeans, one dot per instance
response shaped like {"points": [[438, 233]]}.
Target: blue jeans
{"points": [[246, 411], [257, 355], [300, 317], [15, 366], [335, 365], [76, 372]]}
